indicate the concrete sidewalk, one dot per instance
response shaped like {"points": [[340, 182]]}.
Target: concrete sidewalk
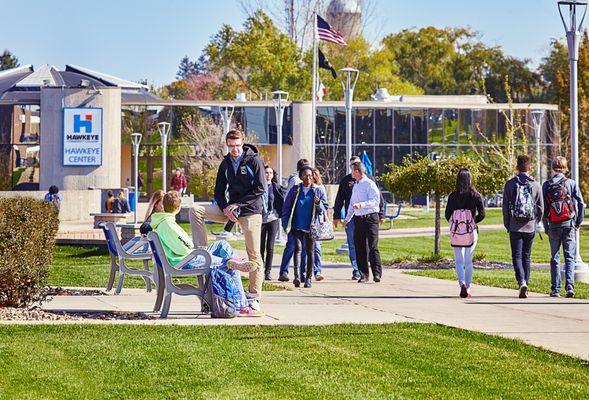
{"points": [[561, 325]]}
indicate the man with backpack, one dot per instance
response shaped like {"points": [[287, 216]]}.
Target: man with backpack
{"points": [[240, 189], [523, 209], [563, 214]]}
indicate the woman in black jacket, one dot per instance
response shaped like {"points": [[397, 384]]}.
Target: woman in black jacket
{"points": [[271, 220], [464, 210]]}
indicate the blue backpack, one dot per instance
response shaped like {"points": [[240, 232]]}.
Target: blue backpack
{"points": [[225, 294]]}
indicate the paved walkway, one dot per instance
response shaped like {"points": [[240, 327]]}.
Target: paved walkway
{"points": [[561, 325]]}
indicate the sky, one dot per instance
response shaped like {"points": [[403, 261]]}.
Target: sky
{"points": [[145, 39]]}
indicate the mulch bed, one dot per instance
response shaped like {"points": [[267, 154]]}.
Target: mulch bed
{"points": [[38, 314], [448, 263]]}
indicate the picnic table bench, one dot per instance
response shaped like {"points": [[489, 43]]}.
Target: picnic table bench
{"points": [[115, 218]]}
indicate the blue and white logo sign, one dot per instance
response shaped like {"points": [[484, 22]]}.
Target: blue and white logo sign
{"points": [[82, 137]]}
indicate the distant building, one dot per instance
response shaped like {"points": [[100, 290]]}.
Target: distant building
{"points": [[346, 17]]}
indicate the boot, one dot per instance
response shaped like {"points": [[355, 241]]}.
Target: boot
{"points": [[296, 280]]}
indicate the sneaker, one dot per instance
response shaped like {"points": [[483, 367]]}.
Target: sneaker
{"points": [[307, 283], [254, 304], [570, 292], [250, 312], [376, 279], [242, 265], [356, 276], [296, 282], [363, 279], [463, 291], [283, 278], [554, 293], [523, 291], [267, 277], [319, 277]]}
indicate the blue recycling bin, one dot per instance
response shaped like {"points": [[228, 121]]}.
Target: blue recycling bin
{"points": [[132, 201]]}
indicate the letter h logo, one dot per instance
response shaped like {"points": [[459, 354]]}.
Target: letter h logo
{"points": [[86, 123]]}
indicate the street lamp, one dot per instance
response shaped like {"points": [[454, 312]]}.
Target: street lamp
{"points": [[348, 85], [164, 128], [537, 118], [279, 99], [136, 139], [572, 28], [226, 112]]}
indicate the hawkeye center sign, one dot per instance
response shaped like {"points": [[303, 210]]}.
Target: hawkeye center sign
{"points": [[82, 137]]}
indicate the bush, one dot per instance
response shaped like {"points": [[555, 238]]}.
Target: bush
{"points": [[27, 235]]}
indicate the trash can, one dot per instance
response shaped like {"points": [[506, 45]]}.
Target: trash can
{"points": [[132, 200]]}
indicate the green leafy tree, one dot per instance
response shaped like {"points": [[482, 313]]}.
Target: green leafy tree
{"points": [[377, 69], [8, 61], [424, 175], [258, 59]]}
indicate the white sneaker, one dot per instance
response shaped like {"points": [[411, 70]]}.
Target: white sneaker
{"points": [[255, 305]]}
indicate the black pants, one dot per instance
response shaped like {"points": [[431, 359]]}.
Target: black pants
{"points": [[301, 237], [521, 254], [269, 231], [366, 242]]}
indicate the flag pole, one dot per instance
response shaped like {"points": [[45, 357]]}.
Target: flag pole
{"points": [[314, 91]]}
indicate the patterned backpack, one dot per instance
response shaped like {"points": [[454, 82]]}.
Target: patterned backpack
{"points": [[462, 228], [522, 209]]}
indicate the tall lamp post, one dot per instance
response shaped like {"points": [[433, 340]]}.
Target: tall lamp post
{"points": [[279, 99], [537, 118], [226, 112], [572, 27], [136, 139], [348, 84], [164, 128]]}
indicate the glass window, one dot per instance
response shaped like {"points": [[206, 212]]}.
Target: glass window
{"points": [[331, 162], [383, 156], [418, 127], [331, 125], [383, 124], [286, 126], [450, 126], [402, 130], [504, 121], [363, 126], [465, 126], [256, 123], [435, 121], [358, 150], [419, 150], [400, 152]]}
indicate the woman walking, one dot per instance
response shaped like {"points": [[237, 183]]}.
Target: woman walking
{"points": [[464, 210], [302, 204], [271, 220]]}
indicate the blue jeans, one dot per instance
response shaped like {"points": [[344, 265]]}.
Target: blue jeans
{"points": [[289, 252], [521, 252], [220, 252], [352, 246], [565, 236]]}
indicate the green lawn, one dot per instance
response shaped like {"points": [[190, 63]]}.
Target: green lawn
{"points": [[89, 266], [396, 361], [539, 280]]}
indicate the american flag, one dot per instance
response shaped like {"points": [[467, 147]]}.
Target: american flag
{"points": [[326, 33]]}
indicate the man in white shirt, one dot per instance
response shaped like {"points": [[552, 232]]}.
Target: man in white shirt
{"points": [[364, 208]]}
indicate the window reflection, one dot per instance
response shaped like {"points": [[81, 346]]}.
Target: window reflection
{"points": [[383, 126], [435, 120], [383, 156], [402, 130], [418, 127], [450, 126], [363, 126]]}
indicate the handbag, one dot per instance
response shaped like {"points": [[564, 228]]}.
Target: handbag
{"points": [[321, 228]]}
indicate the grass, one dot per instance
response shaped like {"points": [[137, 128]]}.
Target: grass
{"points": [[89, 266], [396, 361], [539, 280]]}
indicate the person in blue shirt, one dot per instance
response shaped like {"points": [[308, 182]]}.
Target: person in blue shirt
{"points": [[303, 202], [54, 197]]}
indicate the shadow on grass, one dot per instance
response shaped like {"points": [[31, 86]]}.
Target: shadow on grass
{"points": [[90, 252]]}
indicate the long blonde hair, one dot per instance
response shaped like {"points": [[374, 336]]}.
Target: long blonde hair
{"points": [[156, 203]]}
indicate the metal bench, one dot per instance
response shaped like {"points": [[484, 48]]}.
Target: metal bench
{"points": [[390, 215], [166, 274], [118, 257]]}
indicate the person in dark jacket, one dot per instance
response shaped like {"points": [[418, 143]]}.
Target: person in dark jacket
{"points": [[120, 205], [562, 228], [523, 208], [465, 197], [271, 220], [341, 205], [302, 203]]}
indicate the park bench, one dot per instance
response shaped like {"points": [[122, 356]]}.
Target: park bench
{"points": [[166, 274], [119, 255], [107, 217], [390, 214]]}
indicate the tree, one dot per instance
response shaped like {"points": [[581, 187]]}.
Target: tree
{"points": [[378, 68], [186, 68], [424, 175], [258, 59], [8, 61]]}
